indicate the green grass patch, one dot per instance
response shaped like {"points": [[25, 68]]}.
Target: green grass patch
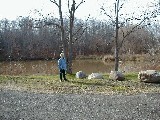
{"points": [[50, 83], [131, 76]]}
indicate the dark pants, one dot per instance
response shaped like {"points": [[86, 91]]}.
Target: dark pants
{"points": [[62, 74]]}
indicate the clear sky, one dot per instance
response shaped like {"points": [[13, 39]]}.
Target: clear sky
{"points": [[11, 9]]}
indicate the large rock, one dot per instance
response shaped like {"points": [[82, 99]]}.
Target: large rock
{"points": [[116, 75], [81, 75], [95, 76], [151, 76]]}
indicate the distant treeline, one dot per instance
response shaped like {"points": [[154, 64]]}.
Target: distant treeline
{"points": [[27, 38]]}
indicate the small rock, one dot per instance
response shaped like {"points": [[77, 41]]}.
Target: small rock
{"points": [[81, 75], [116, 75], [95, 76]]}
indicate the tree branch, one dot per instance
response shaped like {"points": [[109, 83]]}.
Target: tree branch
{"points": [[107, 15], [132, 30], [55, 2], [79, 4], [120, 7], [69, 7], [77, 31], [80, 35]]}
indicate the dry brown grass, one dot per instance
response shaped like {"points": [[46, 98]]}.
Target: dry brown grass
{"points": [[124, 57], [108, 58], [135, 57]]}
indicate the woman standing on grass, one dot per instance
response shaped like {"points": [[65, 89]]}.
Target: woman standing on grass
{"points": [[62, 67]]}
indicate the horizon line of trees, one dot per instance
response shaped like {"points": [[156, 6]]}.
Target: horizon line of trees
{"points": [[27, 38]]}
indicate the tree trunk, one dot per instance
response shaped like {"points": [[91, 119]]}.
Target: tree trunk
{"points": [[71, 24], [62, 28], [116, 39], [70, 55]]}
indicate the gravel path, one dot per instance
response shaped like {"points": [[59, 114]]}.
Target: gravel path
{"points": [[16, 105]]}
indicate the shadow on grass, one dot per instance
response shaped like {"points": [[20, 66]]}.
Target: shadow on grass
{"points": [[151, 84]]}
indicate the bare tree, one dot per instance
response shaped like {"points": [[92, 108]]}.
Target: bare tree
{"points": [[118, 25], [59, 5], [72, 9]]}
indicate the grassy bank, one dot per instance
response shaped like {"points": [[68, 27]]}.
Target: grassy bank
{"points": [[51, 84]]}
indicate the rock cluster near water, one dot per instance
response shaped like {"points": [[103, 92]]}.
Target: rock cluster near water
{"points": [[82, 75], [149, 76]]}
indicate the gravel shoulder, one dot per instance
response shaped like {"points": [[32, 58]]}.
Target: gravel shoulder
{"points": [[18, 105]]}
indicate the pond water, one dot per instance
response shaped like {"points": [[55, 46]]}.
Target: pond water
{"points": [[44, 67]]}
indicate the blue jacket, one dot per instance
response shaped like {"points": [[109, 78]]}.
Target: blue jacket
{"points": [[62, 64]]}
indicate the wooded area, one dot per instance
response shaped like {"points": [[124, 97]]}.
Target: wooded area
{"points": [[29, 38], [26, 38]]}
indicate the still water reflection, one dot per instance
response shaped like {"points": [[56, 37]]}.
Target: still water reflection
{"points": [[50, 67]]}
